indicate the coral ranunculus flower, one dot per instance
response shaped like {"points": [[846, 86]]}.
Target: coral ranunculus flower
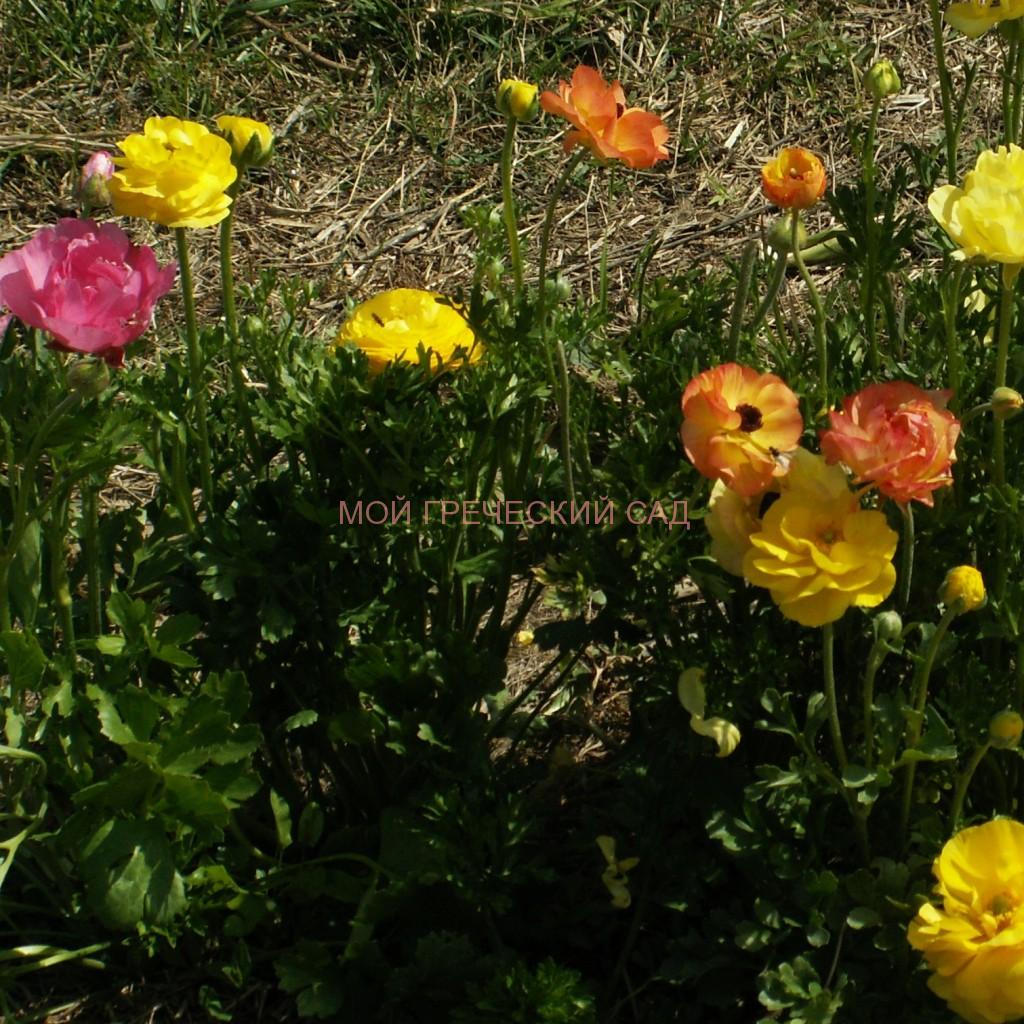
{"points": [[975, 17], [85, 284], [393, 324], [986, 217], [794, 180], [602, 123], [735, 422], [974, 942], [896, 436], [177, 173], [819, 553]]}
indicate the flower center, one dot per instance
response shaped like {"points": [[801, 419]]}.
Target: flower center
{"points": [[750, 418], [1002, 904]]}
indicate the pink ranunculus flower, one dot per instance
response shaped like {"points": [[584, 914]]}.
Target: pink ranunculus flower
{"points": [[87, 285], [896, 436], [100, 164]]}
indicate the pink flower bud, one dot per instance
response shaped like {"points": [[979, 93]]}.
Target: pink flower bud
{"points": [[92, 187]]}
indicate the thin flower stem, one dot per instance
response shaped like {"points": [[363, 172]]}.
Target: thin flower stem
{"points": [[871, 229], [561, 382], [772, 293], [91, 544], [1016, 63], [59, 586], [963, 784], [227, 287], [914, 727], [739, 305], [907, 567], [875, 659], [950, 304], [819, 312], [508, 210], [1006, 307], [945, 89], [828, 662], [195, 366], [1009, 64]]}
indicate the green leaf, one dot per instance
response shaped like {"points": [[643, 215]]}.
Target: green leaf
{"points": [[130, 875], [300, 720], [863, 917], [856, 775], [26, 662], [282, 819], [26, 574]]}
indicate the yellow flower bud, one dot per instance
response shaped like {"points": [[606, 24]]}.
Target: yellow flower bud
{"points": [[1006, 403], [882, 81], [1005, 729], [252, 142], [517, 99], [964, 584], [524, 637]]}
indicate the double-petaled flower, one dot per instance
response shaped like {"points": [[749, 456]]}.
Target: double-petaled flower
{"points": [[86, 285], [896, 436], [395, 324], [602, 122], [175, 173], [817, 551], [975, 17], [974, 941]]}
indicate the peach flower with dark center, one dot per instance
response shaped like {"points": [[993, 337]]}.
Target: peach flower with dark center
{"points": [[602, 122], [736, 422], [897, 437]]}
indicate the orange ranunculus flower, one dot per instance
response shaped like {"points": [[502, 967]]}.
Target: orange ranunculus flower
{"points": [[735, 422], [597, 111], [794, 180], [896, 436]]}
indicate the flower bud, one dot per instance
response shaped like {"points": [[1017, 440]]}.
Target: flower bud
{"points": [[963, 584], [517, 99], [1006, 403], [780, 235], [1005, 729], [882, 81], [252, 142], [524, 638], [888, 626], [557, 289], [92, 186], [89, 377]]}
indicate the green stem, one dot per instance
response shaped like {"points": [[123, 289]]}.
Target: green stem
{"points": [[90, 545], [195, 366], [871, 229], [1009, 64], [915, 725], [907, 567], [945, 89], [59, 585], [819, 312], [508, 210], [963, 784], [1017, 69], [828, 661], [26, 486], [875, 659], [739, 305], [774, 284], [561, 382], [227, 288], [950, 307], [1006, 307]]}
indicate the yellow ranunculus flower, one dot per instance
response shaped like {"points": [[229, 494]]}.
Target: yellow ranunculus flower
{"points": [[393, 324], [1005, 729], [817, 551], [176, 173], [974, 942], [252, 141], [975, 17], [691, 695], [964, 584], [986, 217], [518, 99], [731, 519]]}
